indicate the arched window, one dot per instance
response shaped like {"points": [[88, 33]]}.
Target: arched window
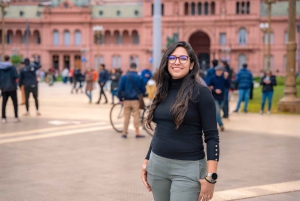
{"points": [[242, 36], [271, 38], [199, 8], [186, 9], [37, 37], [213, 8], [136, 38], [205, 8], [193, 9], [242, 60], [243, 8], [237, 7], [55, 37], [118, 37], [77, 37], [9, 37], [248, 7], [67, 40]]}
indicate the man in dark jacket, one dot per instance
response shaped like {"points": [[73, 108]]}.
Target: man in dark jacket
{"points": [[130, 86], [244, 79], [78, 78], [146, 75], [29, 80], [8, 86], [219, 83], [102, 79], [211, 72], [226, 92]]}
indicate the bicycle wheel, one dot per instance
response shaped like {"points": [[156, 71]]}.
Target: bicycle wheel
{"points": [[116, 117], [148, 130]]}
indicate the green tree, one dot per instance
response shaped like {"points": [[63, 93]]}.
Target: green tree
{"points": [[16, 59]]}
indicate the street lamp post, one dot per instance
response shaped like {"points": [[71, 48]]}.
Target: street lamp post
{"points": [[3, 5], [98, 31], [156, 34], [290, 102], [264, 27], [269, 2]]}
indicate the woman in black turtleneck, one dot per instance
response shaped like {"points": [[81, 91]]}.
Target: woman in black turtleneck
{"points": [[175, 167]]}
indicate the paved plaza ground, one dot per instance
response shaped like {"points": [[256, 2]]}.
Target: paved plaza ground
{"points": [[72, 153]]}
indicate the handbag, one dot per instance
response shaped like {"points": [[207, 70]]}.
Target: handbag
{"points": [[140, 96]]}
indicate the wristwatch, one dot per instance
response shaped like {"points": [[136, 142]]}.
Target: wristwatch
{"points": [[211, 178]]}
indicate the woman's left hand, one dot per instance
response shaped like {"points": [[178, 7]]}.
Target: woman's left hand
{"points": [[207, 190]]}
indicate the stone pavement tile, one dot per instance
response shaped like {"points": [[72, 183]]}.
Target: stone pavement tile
{"points": [[36, 123], [291, 196]]}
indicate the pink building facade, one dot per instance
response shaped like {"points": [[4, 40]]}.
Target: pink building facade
{"points": [[61, 35]]}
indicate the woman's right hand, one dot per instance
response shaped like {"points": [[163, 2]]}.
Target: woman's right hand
{"points": [[144, 175]]}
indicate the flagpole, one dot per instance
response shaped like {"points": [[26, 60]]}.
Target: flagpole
{"points": [[27, 37]]}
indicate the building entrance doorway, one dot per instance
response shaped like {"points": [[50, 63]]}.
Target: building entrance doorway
{"points": [[200, 42], [55, 61], [67, 61]]}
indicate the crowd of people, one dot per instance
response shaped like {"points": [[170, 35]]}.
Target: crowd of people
{"points": [[220, 78], [27, 81]]}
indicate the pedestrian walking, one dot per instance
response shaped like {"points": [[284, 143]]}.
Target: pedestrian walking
{"points": [[115, 78], [211, 72], [22, 89], [151, 87], [146, 75], [28, 78], [268, 81], [49, 77], [77, 80], [219, 83], [89, 83], [130, 87], [65, 75], [244, 80], [71, 74], [227, 89], [175, 167], [8, 85], [42, 75], [102, 79]]}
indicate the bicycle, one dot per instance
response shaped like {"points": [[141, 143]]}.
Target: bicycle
{"points": [[117, 120]]}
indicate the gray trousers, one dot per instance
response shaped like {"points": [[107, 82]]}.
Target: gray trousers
{"points": [[175, 180]]}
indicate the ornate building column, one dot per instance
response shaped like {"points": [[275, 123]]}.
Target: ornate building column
{"points": [[290, 102]]}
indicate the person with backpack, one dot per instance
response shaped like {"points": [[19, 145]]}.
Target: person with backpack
{"points": [[8, 85], [130, 87], [28, 78]]}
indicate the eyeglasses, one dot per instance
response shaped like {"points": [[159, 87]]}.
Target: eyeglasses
{"points": [[182, 59]]}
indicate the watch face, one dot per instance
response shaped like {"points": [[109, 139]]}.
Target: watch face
{"points": [[214, 176]]}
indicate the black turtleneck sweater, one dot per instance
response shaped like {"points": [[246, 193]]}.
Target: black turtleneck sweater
{"points": [[186, 142]]}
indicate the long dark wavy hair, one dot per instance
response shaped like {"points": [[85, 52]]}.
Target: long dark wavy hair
{"points": [[163, 84]]}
